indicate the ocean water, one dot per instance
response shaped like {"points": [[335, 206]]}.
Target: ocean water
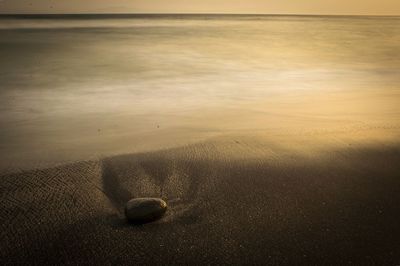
{"points": [[81, 87]]}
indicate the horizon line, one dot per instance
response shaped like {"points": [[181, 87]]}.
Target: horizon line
{"points": [[191, 14]]}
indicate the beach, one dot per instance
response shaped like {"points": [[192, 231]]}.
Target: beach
{"points": [[231, 201], [273, 139]]}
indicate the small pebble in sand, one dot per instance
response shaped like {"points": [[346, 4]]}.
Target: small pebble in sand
{"points": [[144, 210]]}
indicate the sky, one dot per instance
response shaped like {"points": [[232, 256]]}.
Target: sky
{"points": [[332, 7]]}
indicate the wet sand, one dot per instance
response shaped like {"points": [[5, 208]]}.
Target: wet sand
{"points": [[321, 199]]}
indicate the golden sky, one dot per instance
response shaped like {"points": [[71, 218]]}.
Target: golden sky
{"points": [[343, 7]]}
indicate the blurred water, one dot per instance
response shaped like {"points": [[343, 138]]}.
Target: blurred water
{"points": [[76, 87]]}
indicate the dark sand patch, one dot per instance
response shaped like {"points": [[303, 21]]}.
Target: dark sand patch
{"points": [[231, 202]]}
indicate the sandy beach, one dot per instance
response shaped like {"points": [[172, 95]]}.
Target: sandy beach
{"points": [[232, 200]]}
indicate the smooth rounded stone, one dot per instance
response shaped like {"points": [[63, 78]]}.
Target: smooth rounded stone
{"points": [[144, 210]]}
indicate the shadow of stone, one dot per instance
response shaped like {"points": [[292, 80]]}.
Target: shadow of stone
{"points": [[153, 174], [117, 195]]}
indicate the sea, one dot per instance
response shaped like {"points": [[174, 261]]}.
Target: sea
{"points": [[81, 87]]}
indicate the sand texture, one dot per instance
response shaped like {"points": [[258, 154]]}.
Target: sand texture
{"points": [[231, 201]]}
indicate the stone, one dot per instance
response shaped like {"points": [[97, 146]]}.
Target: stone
{"points": [[144, 210]]}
